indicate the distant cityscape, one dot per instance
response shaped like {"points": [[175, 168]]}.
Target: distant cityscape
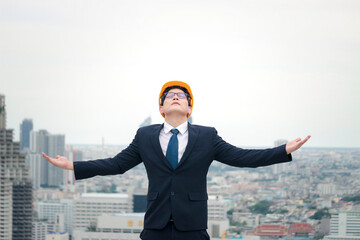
{"points": [[316, 196]]}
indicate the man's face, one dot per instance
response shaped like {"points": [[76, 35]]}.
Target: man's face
{"points": [[175, 105]]}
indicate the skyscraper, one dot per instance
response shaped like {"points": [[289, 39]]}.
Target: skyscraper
{"points": [[38, 167], [56, 146], [25, 128], [15, 186], [50, 209], [51, 144], [2, 112], [344, 225]]}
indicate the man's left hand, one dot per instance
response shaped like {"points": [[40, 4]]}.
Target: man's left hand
{"points": [[295, 144]]}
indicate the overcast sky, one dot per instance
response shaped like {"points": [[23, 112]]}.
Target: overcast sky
{"points": [[259, 70]]}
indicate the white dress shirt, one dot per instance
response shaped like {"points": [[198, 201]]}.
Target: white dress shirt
{"points": [[183, 137]]}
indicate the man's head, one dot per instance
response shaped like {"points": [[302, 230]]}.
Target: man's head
{"points": [[175, 96]]}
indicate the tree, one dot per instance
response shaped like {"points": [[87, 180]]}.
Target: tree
{"points": [[355, 198], [262, 207], [321, 213], [230, 212], [282, 211]]}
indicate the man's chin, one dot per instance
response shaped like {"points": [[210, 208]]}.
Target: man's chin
{"points": [[175, 113]]}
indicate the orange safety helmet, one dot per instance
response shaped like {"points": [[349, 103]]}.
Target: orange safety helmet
{"points": [[176, 84]]}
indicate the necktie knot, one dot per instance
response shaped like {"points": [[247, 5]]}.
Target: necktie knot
{"points": [[174, 131]]}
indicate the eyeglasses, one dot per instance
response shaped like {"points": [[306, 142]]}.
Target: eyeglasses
{"points": [[180, 95]]}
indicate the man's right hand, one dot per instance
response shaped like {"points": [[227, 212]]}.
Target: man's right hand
{"points": [[59, 161]]}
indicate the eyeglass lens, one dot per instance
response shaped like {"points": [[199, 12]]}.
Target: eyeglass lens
{"points": [[179, 94]]}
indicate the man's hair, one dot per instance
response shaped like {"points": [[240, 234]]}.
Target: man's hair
{"points": [[172, 87]]}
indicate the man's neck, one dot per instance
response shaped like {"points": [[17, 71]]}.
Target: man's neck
{"points": [[175, 122]]}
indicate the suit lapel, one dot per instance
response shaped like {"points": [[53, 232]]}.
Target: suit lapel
{"points": [[157, 147], [193, 134]]}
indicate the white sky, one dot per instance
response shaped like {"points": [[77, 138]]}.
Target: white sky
{"points": [[260, 70]]}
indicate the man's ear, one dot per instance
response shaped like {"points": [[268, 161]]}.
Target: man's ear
{"points": [[161, 109], [189, 110]]}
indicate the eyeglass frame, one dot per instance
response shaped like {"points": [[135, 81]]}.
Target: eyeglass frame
{"points": [[177, 94]]}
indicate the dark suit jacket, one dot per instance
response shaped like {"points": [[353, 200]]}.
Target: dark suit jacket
{"points": [[180, 192]]}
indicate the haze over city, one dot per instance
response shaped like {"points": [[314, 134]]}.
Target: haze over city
{"points": [[259, 70]]}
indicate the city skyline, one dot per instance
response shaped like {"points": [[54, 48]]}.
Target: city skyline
{"points": [[296, 195], [297, 191], [259, 71]]}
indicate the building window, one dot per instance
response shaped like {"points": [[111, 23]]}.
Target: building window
{"points": [[130, 223]]}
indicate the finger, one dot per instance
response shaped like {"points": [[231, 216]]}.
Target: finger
{"points": [[48, 158], [305, 140], [299, 144], [45, 156], [57, 156]]}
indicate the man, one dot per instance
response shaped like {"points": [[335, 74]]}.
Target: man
{"points": [[177, 156]]}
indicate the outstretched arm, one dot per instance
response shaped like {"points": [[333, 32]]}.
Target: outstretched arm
{"points": [[60, 162], [295, 144], [238, 157]]}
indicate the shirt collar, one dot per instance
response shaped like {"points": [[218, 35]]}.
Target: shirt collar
{"points": [[182, 127]]}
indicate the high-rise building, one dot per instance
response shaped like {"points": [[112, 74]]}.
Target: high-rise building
{"points": [[73, 155], [2, 112], [326, 188], [38, 168], [41, 229], [39, 141], [15, 186], [91, 205], [43, 141], [345, 223], [56, 144], [218, 222], [114, 227], [50, 210], [35, 162], [25, 128]]}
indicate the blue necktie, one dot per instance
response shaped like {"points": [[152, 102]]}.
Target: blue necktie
{"points": [[172, 149]]}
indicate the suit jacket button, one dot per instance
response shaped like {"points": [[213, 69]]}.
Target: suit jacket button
{"points": [[172, 193]]}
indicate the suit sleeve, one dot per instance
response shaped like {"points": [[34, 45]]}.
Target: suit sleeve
{"points": [[238, 157], [123, 161]]}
